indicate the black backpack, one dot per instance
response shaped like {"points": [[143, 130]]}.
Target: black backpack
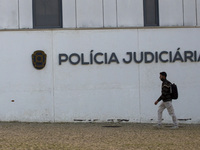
{"points": [[174, 91]]}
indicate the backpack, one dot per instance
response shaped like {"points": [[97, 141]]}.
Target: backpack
{"points": [[174, 91]]}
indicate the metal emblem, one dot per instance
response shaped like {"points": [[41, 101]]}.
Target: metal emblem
{"points": [[39, 59]]}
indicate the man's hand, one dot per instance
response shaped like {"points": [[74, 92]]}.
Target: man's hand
{"points": [[156, 102]]}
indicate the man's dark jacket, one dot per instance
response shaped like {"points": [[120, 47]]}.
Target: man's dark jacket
{"points": [[166, 93]]}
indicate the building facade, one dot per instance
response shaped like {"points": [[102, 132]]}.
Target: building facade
{"points": [[97, 60]]}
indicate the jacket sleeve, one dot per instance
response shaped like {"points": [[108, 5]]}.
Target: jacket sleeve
{"points": [[160, 98]]}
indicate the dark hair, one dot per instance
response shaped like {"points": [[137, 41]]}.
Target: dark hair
{"points": [[163, 74]]}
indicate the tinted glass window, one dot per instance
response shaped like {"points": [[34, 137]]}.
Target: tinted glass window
{"points": [[151, 17], [47, 13]]}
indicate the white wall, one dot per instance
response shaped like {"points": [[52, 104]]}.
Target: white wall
{"points": [[198, 12], [109, 91], [69, 13], [17, 14], [25, 14], [89, 13], [171, 12], [189, 12], [184, 75], [9, 14], [130, 13], [99, 91], [110, 13], [31, 90]]}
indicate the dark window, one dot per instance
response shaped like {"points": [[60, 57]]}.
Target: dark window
{"points": [[151, 17], [47, 13]]}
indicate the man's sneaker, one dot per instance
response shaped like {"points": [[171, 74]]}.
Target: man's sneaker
{"points": [[174, 127], [158, 126]]}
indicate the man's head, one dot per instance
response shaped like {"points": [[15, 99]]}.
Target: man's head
{"points": [[163, 76]]}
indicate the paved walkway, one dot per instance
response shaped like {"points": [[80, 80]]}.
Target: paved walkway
{"points": [[96, 136]]}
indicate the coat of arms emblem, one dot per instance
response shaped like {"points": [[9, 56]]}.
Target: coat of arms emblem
{"points": [[39, 59]]}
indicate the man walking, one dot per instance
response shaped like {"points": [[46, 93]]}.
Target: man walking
{"points": [[166, 101]]}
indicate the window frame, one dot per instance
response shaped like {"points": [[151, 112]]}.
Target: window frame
{"points": [[146, 24], [35, 26]]}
